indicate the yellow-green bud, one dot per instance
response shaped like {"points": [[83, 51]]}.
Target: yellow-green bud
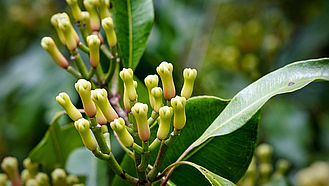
{"points": [[103, 9], [32, 167], [86, 20], [139, 111], [10, 166], [126, 101], [282, 167], [93, 43], [25, 175], [83, 126], [265, 171], [71, 37], [99, 96], [64, 100], [151, 81], [119, 127], [107, 24], [178, 104], [189, 77], [165, 72], [127, 76], [101, 119], [58, 177], [264, 153], [72, 179], [83, 87], [90, 6], [3, 179], [76, 11], [49, 45], [165, 120], [54, 21], [156, 92], [42, 179], [31, 182]]}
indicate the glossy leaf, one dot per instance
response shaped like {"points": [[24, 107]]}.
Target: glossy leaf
{"points": [[247, 102], [81, 162], [133, 20], [212, 178], [56, 145]]}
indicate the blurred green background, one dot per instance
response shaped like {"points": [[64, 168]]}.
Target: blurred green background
{"points": [[231, 43]]}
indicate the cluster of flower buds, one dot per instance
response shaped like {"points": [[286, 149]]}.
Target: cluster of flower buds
{"points": [[89, 22], [31, 176], [96, 104]]}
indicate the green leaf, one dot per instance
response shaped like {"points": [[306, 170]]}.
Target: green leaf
{"points": [[56, 145], [133, 20], [213, 178], [228, 156], [247, 102], [82, 162]]}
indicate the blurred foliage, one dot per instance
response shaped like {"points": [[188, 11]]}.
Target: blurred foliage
{"points": [[231, 43]]}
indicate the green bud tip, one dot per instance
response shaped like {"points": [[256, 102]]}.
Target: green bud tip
{"points": [[64, 100], [58, 176], [139, 111], [127, 77], [76, 11], [264, 152], [90, 6], [93, 43], [10, 166], [165, 70], [178, 103], [99, 96], [107, 24], [71, 37], [156, 92], [83, 126], [72, 179], [42, 178], [49, 45], [118, 125], [165, 120], [189, 78]]}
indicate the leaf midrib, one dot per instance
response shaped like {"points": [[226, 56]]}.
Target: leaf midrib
{"points": [[130, 33]]}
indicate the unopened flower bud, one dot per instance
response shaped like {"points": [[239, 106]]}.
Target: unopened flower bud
{"points": [[189, 77], [71, 37], [139, 111], [58, 177], [151, 81], [264, 152], [3, 179], [93, 43], [178, 104], [72, 179], [25, 175], [127, 76], [31, 182], [64, 100], [83, 87], [165, 72], [42, 179], [101, 119], [99, 96], [10, 166], [156, 92], [90, 6], [282, 166], [103, 9], [119, 127], [165, 120], [31, 167], [49, 45], [107, 24], [126, 100], [83, 126], [86, 20], [54, 21], [76, 11]]}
